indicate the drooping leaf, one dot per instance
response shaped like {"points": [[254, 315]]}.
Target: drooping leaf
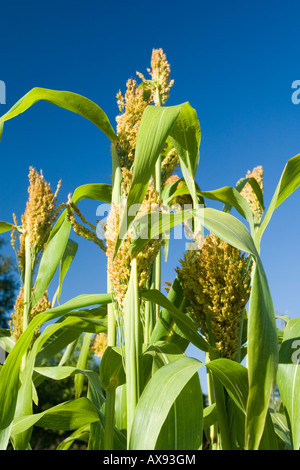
{"points": [[70, 101], [185, 324], [94, 191], [65, 416], [288, 183]]}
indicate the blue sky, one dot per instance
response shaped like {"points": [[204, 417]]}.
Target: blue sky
{"points": [[233, 61]]}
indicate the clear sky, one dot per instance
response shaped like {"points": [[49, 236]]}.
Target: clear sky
{"points": [[234, 61]]}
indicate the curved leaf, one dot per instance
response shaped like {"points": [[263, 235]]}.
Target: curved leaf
{"points": [[234, 378], [185, 136], [63, 417], [185, 324], [71, 101], [5, 226], [288, 183], [9, 375], [157, 399], [156, 124], [112, 373], [288, 377], [52, 255], [97, 192]]}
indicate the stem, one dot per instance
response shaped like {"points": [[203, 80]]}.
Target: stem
{"points": [[108, 437], [222, 414], [213, 432], [27, 284], [157, 262], [240, 335], [111, 320], [27, 290], [133, 345], [149, 321]]}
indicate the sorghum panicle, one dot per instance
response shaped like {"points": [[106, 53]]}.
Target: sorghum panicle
{"points": [[16, 323], [216, 281], [40, 214], [132, 107], [119, 267], [250, 196], [99, 344], [160, 75]]}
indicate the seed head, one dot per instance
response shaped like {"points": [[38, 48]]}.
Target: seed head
{"points": [[119, 267], [16, 323], [40, 214], [132, 107], [99, 344], [216, 281], [160, 75], [250, 196]]}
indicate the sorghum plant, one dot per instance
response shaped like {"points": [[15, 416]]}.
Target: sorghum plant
{"points": [[147, 394]]}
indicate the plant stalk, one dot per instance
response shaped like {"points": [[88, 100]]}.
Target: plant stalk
{"points": [[133, 345], [222, 414], [110, 393], [27, 290], [111, 320]]}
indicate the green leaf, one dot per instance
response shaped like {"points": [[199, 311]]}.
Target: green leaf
{"points": [[262, 337], [157, 400], [5, 226], [210, 416], [281, 428], [288, 377], [9, 375], [234, 378], [70, 331], [288, 183], [185, 324], [82, 364], [133, 344], [262, 355], [63, 372], [223, 225], [165, 327], [81, 434], [185, 136], [177, 430], [52, 255], [63, 417], [70, 101], [155, 126], [233, 198], [68, 256], [97, 192], [112, 372]]}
